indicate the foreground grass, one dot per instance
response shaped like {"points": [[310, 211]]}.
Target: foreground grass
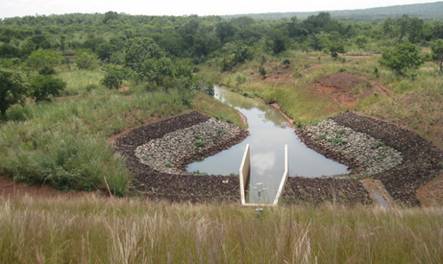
{"points": [[94, 230], [64, 143]]}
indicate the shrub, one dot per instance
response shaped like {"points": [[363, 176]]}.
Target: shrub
{"points": [[46, 71], [86, 60], [114, 77], [262, 71], [41, 59], [402, 58], [13, 89], [43, 87], [437, 53], [234, 54]]}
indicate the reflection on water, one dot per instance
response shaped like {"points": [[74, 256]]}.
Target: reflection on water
{"points": [[268, 133]]}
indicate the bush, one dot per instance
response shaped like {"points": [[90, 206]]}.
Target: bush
{"points": [[234, 54], [262, 71], [43, 87], [86, 60], [44, 59], [437, 53], [13, 89], [114, 77], [402, 58], [46, 71]]}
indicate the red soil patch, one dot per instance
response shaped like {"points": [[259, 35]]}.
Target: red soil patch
{"points": [[344, 88]]}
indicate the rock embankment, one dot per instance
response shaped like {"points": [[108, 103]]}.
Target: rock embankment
{"points": [[402, 160], [170, 153], [370, 156], [158, 185], [421, 160]]}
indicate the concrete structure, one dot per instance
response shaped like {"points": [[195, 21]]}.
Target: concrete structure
{"points": [[245, 174]]}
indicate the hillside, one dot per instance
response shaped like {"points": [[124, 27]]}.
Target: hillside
{"points": [[423, 11]]}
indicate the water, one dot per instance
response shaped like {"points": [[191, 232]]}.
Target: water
{"points": [[268, 133]]}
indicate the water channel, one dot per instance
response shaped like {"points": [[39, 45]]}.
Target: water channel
{"points": [[269, 131]]}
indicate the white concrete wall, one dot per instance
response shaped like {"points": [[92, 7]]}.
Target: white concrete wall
{"points": [[245, 171]]}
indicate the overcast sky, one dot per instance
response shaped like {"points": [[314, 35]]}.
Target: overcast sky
{"points": [[10, 8]]}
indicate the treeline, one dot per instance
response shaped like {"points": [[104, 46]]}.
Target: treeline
{"points": [[162, 52]]}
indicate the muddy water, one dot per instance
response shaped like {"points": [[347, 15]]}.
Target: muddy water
{"points": [[268, 133]]}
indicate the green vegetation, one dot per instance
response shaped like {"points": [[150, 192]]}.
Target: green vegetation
{"points": [[119, 231], [437, 53], [12, 89], [43, 87], [402, 58], [86, 60], [70, 83], [44, 59]]}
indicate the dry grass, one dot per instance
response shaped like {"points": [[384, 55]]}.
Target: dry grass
{"points": [[94, 230]]}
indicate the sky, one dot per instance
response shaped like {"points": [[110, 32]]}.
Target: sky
{"points": [[11, 8]]}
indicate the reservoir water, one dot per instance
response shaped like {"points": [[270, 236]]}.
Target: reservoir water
{"points": [[269, 131]]}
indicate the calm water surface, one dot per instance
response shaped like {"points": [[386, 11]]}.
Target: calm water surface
{"points": [[268, 133]]}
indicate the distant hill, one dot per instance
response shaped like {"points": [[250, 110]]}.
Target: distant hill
{"points": [[424, 11]]}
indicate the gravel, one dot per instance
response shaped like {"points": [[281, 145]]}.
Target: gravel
{"points": [[169, 153], [371, 156]]}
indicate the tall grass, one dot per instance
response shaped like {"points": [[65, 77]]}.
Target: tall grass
{"points": [[92, 230], [64, 143]]}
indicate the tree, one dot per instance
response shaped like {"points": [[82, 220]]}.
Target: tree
{"points": [[37, 41], [9, 51], [109, 16], [45, 86], [86, 60], [140, 49], [335, 48], [401, 58], [234, 54], [361, 41], [114, 76], [437, 53], [13, 89], [225, 31], [277, 42], [41, 59]]}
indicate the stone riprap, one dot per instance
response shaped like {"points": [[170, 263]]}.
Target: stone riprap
{"points": [[169, 153], [370, 155]]}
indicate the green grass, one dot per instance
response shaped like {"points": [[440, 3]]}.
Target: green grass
{"points": [[64, 143], [211, 107], [414, 103], [79, 81], [94, 230]]}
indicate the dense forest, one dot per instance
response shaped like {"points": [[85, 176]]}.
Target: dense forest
{"points": [[165, 51]]}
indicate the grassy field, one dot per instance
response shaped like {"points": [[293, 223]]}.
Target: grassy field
{"points": [[94, 230], [64, 143], [412, 102]]}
